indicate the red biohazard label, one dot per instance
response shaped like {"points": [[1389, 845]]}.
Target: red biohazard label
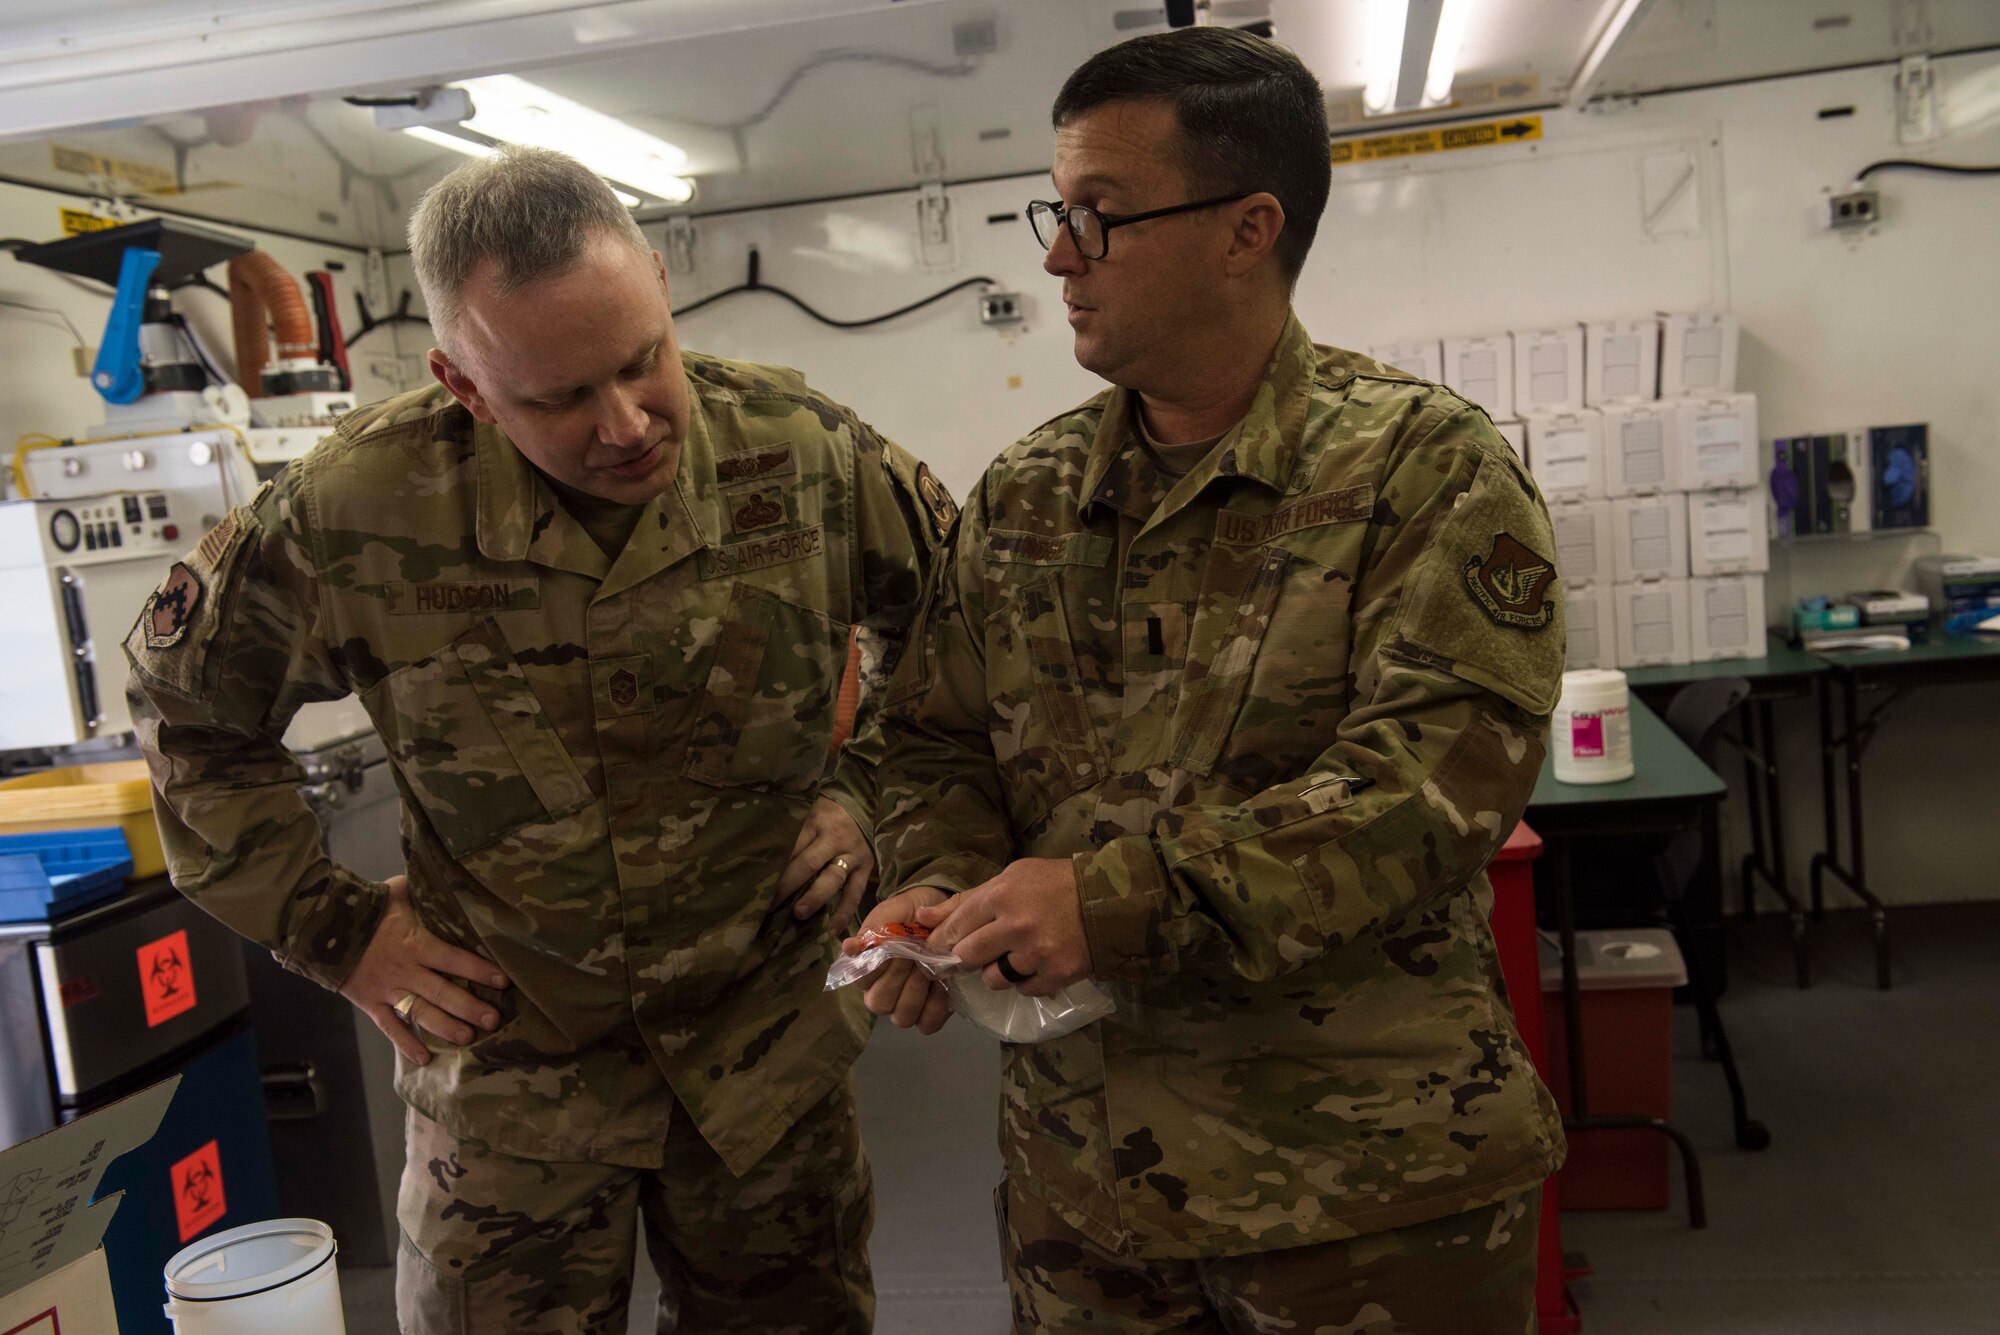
{"points": [[198, 1200], [891, 930], [166, 979]]}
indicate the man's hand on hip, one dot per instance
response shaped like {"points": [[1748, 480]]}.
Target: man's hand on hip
{"points": [[1025, 919], [831, 862], [404, 981]]}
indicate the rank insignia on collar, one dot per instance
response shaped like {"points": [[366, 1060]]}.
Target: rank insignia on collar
{"points": [[1512, 584], [170, 610]]}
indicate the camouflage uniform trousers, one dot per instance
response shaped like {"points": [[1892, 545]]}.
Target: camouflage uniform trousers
{"points": [[495, 1244], [1464, 1274]]}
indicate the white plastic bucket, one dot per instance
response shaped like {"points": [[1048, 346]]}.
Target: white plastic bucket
{"points": [[277, 1275], [1591, 733]]}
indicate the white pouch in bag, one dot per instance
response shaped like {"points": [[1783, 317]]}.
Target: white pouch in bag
{"points": [[1007, 1015]]}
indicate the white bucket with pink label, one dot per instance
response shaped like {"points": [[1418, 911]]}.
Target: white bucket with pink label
{"points": [[1591, 733]]}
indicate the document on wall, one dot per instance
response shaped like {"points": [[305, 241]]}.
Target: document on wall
{"points": [[1651, 541], [1642, 448], [1653, 625]]}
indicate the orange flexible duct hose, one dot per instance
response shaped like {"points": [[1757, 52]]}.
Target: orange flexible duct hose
{"points": [[258, 285]]}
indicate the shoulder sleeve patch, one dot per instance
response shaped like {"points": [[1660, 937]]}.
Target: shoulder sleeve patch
{"points": [[183, 619], [1483, 601], [943, 509]]}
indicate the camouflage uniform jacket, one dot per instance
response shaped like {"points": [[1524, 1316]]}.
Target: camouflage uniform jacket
{"points": [[1280, 714], [603, 763]]}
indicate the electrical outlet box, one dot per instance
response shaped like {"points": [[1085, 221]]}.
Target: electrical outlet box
{"points": [[1000, 308], [1855, 208]]}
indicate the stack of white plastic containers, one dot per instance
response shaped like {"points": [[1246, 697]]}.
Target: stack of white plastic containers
{"points": [[1649, 460]]}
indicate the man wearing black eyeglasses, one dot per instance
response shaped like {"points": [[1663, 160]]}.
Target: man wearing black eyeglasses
{"points": [[1234, 679]]}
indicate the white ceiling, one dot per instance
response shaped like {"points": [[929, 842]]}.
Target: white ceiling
{"points": [[787, 100]]}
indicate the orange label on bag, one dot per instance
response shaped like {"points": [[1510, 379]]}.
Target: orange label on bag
{"points": [[198, 1199], [890, 930], [166, 978]]}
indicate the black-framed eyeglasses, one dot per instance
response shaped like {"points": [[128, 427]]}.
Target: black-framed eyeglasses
{"points": [[1091, 230]]}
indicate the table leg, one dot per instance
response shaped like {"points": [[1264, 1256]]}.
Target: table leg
{"points": [[1828, 800], [1762, 747]]}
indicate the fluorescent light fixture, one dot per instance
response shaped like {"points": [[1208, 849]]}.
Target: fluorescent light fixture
{"points": [[1410, 53], [478, 148], [509, 110]]}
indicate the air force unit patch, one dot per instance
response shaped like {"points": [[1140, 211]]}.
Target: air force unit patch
{"points": [[170, 610], [1512, 584]]}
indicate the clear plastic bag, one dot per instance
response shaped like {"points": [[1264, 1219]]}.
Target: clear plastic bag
{"points": [[1007, 1015]]}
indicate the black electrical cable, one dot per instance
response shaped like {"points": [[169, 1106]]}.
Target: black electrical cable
{"points": [[1918, 165], [208, 365], [203, 281], [753, 285], [43, 310]]}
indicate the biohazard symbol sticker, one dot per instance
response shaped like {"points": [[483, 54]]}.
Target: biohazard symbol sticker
{"points": [[1512, 584], [166, 979], [198, 1198], [170, 610]]}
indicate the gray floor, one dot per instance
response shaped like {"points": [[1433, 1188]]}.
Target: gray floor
{"points": [[1876, 1209]]}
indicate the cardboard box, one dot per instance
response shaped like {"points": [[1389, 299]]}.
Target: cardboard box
{"points": [[53, 1274], [1899, 477], [1566, 454], [1653, 623], [1718, 443], [1548, 369], [1583, 541], [1516, 436], [1621, 361], [1419, 357], [1649, 538], [1726, 617], [1642, 454], [1481, 370], [1697, 354], [1590, 622], [1728, 532]]}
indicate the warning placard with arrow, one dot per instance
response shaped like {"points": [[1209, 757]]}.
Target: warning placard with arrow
{"points": [[1440, 139]]}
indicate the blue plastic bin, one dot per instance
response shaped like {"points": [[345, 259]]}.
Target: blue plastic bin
{"points": [[43, 875]]}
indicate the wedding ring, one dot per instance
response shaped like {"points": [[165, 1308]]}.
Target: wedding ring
{"points": [[1008, 971], [844, 865], [405, 1006]]}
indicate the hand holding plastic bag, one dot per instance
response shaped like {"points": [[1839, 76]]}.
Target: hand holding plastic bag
{"points": [[1008, 1015]]}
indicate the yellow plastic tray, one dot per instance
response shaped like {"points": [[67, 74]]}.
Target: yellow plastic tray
{"points": [[82, 797]]}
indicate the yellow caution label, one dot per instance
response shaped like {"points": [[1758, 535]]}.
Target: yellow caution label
{"points": [[141, 176], [75, 222], [1416, 143]]}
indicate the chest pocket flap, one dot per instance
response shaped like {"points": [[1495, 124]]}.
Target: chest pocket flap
{"points": [[471, 740]]}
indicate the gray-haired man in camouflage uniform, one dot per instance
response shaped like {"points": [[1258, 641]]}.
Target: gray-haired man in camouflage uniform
{"points": [[595, 593], [1232, 682]]}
